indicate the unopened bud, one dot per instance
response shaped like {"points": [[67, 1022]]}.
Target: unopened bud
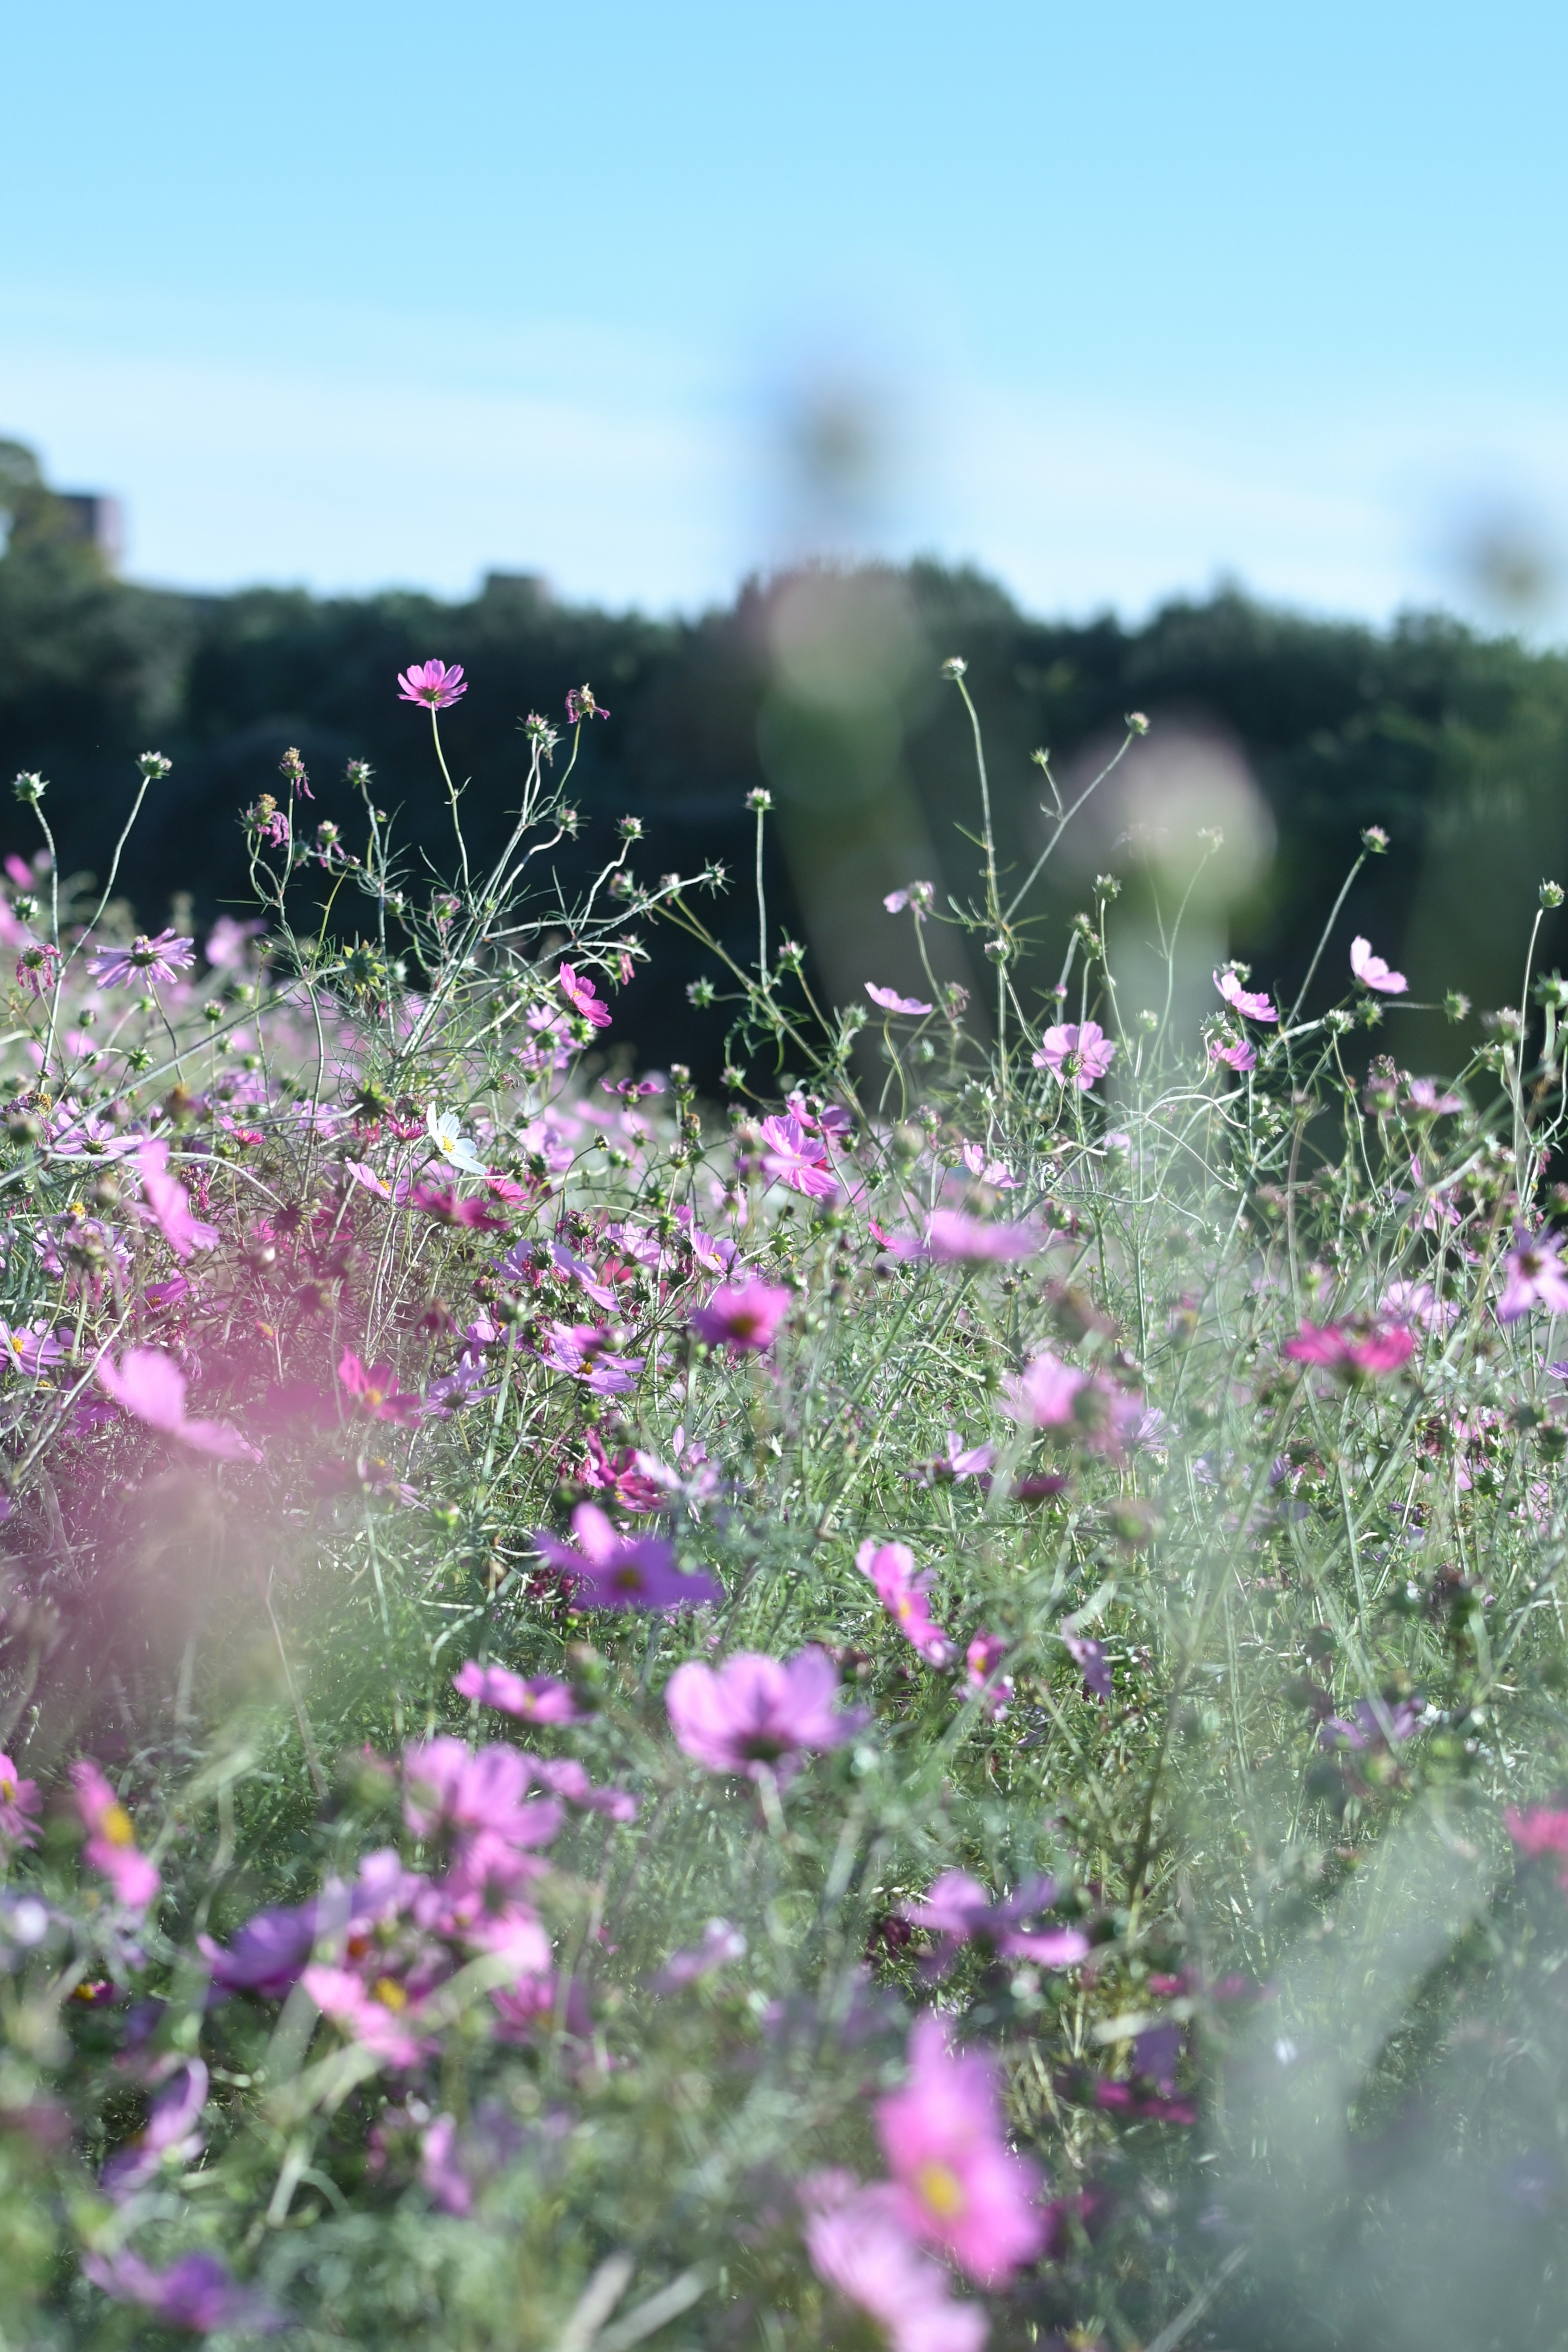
{"points": [[1137, 724], [154, 767], [29, 788], [1550, 895], [1375, 841], [759, 800], [954, 665]]}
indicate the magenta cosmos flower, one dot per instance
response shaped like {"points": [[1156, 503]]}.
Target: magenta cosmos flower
{"points": [[1373, 972], [1241, 1054], [450, 1790], [1254, 1002], [961, 2188], [33, 1350], [857, 2242], [757, 1713], [744, 1316], [1051, 1395], [112, 1846], [891, 1001], [1355, 1354], [18, 1806], [958, 1911], [160, 959], [905, 1596], [1534, 1276], [198, 2293], [579, 992], [167, 1204], [151, 1386], [609, 1570], [1077, 1054], [796, 1157], [543, 1698], [435, 684]]}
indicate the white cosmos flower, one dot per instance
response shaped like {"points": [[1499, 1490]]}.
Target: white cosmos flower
{"points": [[450, 1143]]}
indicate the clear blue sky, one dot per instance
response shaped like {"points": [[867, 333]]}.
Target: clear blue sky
{"points": [[1135, 294]]}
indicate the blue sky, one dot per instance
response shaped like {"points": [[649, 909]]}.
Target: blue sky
{"points": [[1127, 297]]}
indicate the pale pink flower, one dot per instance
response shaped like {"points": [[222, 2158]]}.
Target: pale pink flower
{"points": [[363, 1173], [18, 1806], [609, 1570], [919, 896], [958, 1911], [798, 1159], [1253, 1002], [36, 966], [1373, 972], [579, 993], [1239, 1054], [1077, 1055], [168, 1205], [954, 1239], [743, 1316], [757, 1714], [1534, 1276], [542, 1700], [450, 1790], [961, 2188], [374, 1388], [720, 1943], [1426, 1097], [162, 958], [960, 1461], [112, 1846], [1342, 1348], [981, 1660], [1049, 1394], [375, 2015], [435, 684], [1417, 1302], [228, 942], [905, 1596], [857, 2242], [890, 1000], [994, 1172], [151, 1386]]}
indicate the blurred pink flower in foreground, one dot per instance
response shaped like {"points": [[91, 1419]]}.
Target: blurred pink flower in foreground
{"points": [[151, 1386], [111, 1845], [1053, 1395], [167, 1202], [1341, 1347], [904, 1595], [958, 1911], [433, 683], [542, 1700], [890, 1000], [954, 1239], [720, 1943], [198, 2293], [1534, 1278], [1543, 1831], [756, 1712], [745, 1317], [374, 2016], [579, 993], [1076, 1054], [609, 1570], [18, 1806], [959, 2186], [1373, 972], [1254, 1002], [374, 1388], [164, 957], [856, 2241]]}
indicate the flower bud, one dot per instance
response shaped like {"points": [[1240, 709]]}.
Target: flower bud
{"points": [[954, 665], [29, 788], [1375, 841], [154, 767], [1550, 895]]}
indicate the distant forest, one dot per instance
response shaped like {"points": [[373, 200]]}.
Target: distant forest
{"points": [[826, 688]]}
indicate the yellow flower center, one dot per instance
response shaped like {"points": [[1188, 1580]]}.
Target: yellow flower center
{"points": [[940, 2188], [115, 1824], [390, 1993]]}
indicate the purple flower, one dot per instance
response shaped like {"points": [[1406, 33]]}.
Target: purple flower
{"points": [[757, 1713], [1372, 1726], [745, 1317], [609, 1570], [891, 1001], [1254, 1003], [960, 1461], [544, 1699], [163, 958], [580, 705], [1077, 1055], [267, 1955], [34, 1350], [198, 2292], [1239, 1054], [579, 993], [169, 2136], [1053, 1395], [1535, 1278], [905, 1597], [432, 683], [1373, 972], [168, 1205], [720, 1943], [1090, 1659], [958, 1911]]}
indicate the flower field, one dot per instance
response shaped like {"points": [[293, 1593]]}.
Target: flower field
{"points": [[925, 1712]]}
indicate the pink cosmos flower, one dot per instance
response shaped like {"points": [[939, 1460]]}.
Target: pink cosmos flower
{"points": [[158, 959], [580, 993], [1049, 1394], [609, 1570], [1543, 1831], [720, 1943], [542, 1700], [905, 1597], [582, 1351], [952, 1239], [891, 1001], [198, 2293], [435, 684], [363, 1173], [961, 2188], [981, 1660], [1417, 1302], [19, 1806], [111, 1845], [565, 1777], [33, 1350], [958, 1911], [36, 966], [856, 2241], [374, 1390], [1534, 1276], [151, 1386], [580, 704], [1077, 1055], [372, 2015], [1373, 972], [450, 1790], [1254, 1002], [743, 1316], [168, 2137], [1424, 1095], [445, 1202], [1240, 1056], [960, 1461], [994, 1172], [1090, 1659], [1341, 1347], [168, 1205], [757, 1714], [796, 1158], [920, 896]]}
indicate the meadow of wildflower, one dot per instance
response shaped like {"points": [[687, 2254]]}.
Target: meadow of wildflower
{"points": [[927, 1711]]}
